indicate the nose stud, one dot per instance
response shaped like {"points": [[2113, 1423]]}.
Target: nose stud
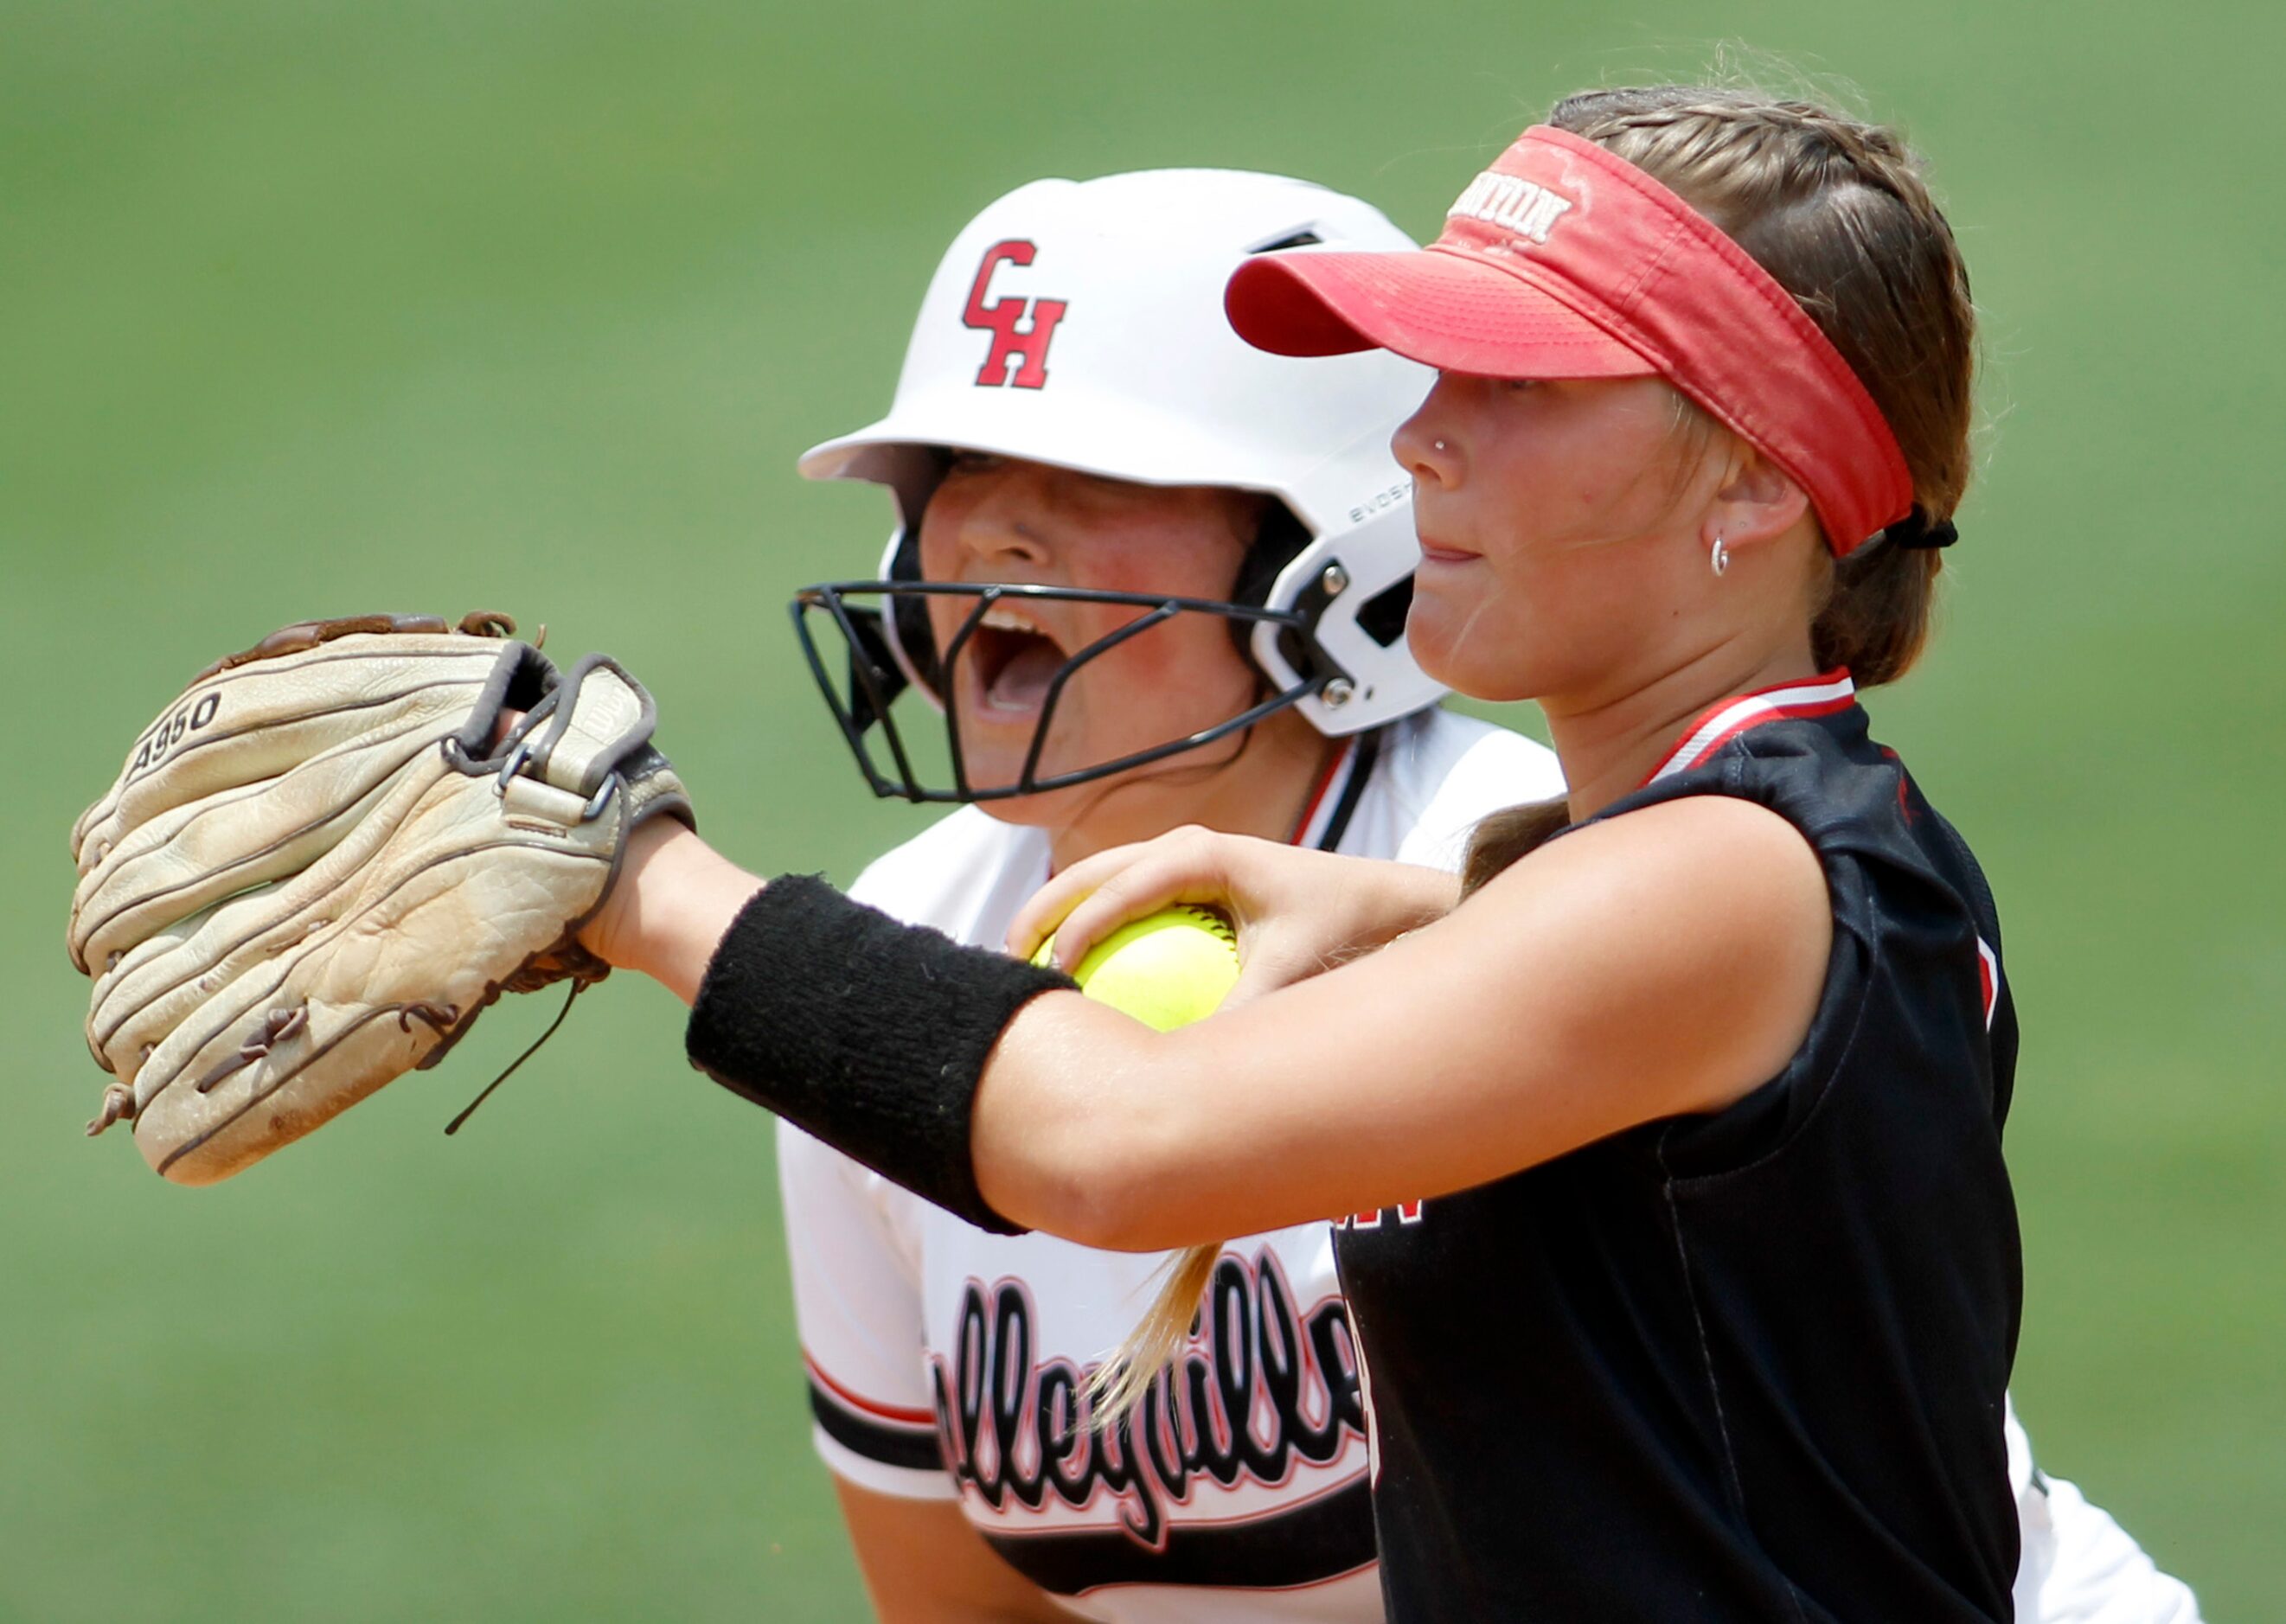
{"points": [[1440, 444]]}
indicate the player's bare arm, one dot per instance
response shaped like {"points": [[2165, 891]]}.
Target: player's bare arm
{"points": [[923, 1564], [1663, 963], [675, 899]]}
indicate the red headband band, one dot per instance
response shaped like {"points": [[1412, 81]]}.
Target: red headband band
{"points": [[1566, 261]]}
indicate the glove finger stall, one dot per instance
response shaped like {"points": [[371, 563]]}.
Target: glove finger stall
{"points": [[191, 857], [244, 1076], [173, 972], [255, 721]]}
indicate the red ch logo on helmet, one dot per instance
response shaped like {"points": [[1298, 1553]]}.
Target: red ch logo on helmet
{"points": [[1028, 343]]}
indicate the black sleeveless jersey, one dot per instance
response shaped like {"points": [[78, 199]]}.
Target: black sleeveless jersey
{"points": [[1744, 1366]]}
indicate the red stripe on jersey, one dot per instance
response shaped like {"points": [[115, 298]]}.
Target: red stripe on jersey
{"points": [[1833, 692], [1323, 798], [1988, 978], [863, 1406]]}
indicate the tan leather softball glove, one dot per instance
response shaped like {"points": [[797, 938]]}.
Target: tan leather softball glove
{"points": [[325, 857]]}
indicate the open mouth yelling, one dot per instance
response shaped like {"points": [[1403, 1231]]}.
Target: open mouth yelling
{"points": [[1007, 666]]}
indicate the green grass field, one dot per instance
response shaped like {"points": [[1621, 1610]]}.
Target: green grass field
{"points": [[313, 308]]}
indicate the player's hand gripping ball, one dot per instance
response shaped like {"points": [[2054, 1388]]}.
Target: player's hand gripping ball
{"points": [[1167, 969]]}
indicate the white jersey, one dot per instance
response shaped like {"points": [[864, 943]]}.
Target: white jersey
{"points": [[946, 1363]]}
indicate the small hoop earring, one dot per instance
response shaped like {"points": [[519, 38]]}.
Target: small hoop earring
{"points": [[1719, 559]]}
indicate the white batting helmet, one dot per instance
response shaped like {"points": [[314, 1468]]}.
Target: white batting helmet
{"points": [[1080, 324]]}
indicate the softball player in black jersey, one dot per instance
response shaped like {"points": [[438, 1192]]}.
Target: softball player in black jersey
{"points": [[1682, 1257]]}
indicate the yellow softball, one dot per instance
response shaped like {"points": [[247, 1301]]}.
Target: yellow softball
{"points": [[1167, 969]]}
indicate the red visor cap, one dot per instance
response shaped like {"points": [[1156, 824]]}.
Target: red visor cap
{"points": [[1566, 261]]}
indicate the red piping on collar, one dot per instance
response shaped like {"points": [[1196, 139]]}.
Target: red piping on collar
{"points": [[1820, 696]]}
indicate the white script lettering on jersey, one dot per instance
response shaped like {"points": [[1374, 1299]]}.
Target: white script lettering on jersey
{"points": [[1265, 1389]]}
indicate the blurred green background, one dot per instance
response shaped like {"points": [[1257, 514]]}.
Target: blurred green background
{"points": [[312, 307]]}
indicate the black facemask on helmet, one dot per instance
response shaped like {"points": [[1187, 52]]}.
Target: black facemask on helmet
{"points": [[889, 647]]}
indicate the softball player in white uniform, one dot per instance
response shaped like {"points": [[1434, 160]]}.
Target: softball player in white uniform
{"points": [[1074, 333]]}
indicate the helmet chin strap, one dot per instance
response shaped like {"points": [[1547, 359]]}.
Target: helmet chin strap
{"points": [[1278, 540]]}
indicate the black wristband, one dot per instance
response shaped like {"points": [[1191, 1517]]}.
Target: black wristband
{"points": [[867, 1034]]}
